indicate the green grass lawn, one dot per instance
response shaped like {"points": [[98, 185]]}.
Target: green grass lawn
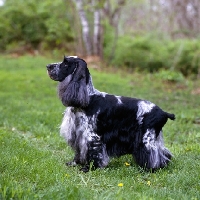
{"points": [[33, 155]]}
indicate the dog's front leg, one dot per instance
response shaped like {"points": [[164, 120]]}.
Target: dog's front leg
{"points": [[97, 156], [75, 161], [97, 153]]}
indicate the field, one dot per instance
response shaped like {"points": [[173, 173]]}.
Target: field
{"points": [[33, 155]]}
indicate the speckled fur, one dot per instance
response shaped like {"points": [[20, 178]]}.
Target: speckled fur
{"points": [[98, 125]]}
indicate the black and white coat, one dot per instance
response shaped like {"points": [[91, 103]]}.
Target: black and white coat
{"points": [[98, 125]]}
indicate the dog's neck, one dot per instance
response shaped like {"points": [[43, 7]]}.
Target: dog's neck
{"points": [[90, 88]]}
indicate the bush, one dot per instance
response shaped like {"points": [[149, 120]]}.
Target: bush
{"points": [[145, 53], [140, 53], [185, 56], [170, 75], [33, 23]]}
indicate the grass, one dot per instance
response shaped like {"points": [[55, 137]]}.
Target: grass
{"points": [[33, 155]]}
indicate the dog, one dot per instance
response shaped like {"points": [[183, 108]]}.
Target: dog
{"points": [[98, 125]]}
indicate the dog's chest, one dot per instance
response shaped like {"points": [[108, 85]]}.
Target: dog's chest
{"points": [[77, 128]]}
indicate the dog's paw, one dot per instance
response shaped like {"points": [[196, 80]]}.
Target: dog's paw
{"points": [[71, 163], [85, 169]]}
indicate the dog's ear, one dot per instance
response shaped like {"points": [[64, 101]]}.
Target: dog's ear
{"points": [[73, 90], [65, 58]]}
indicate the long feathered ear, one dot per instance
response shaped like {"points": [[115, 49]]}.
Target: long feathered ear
{"points": [[73, 90]]}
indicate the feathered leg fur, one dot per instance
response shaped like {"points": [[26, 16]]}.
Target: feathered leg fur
{"points": [[151, 153]]}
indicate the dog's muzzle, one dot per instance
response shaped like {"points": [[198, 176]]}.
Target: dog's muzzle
{"points": [[52, 72]]}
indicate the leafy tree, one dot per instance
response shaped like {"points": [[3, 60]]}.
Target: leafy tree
{"points": [[34, 23], [93, 14]]}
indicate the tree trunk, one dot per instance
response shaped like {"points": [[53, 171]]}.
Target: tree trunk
{"points": [[92, 34], [85, 27], [113, 18], [97, 33], [186, 14]]}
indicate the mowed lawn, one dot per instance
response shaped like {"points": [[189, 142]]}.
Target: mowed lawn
{"points": [[33, 155]]}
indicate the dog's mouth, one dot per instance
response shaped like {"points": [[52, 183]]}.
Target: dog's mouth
{"points": [[52, 74], [51, 71]]}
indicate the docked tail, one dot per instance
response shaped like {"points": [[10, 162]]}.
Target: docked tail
{"points": [[170, 116]]}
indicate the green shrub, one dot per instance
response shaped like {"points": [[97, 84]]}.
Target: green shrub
{"points": [[185, 56], [150, 54], [140, 53], [170, 75], [33, 23]]}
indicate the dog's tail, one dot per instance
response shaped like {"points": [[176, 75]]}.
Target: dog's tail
{"points": [[171, 116]]}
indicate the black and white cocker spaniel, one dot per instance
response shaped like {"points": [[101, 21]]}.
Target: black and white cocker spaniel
{"points": [[98, 125]]}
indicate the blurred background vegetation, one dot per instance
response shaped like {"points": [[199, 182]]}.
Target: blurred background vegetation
{"points": [[144, 35]]}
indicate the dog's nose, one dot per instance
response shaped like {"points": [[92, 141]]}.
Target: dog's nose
{"points": [[49, 67]]}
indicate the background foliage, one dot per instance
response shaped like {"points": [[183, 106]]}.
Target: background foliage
{"points": [[150, 54], [34, 25], [142, 34]]}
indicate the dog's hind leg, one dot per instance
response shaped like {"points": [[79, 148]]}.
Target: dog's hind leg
{"points": [[151, 153]]}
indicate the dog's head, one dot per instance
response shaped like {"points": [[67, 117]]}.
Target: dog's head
{"points": [[71, 64], [73, 75]]}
